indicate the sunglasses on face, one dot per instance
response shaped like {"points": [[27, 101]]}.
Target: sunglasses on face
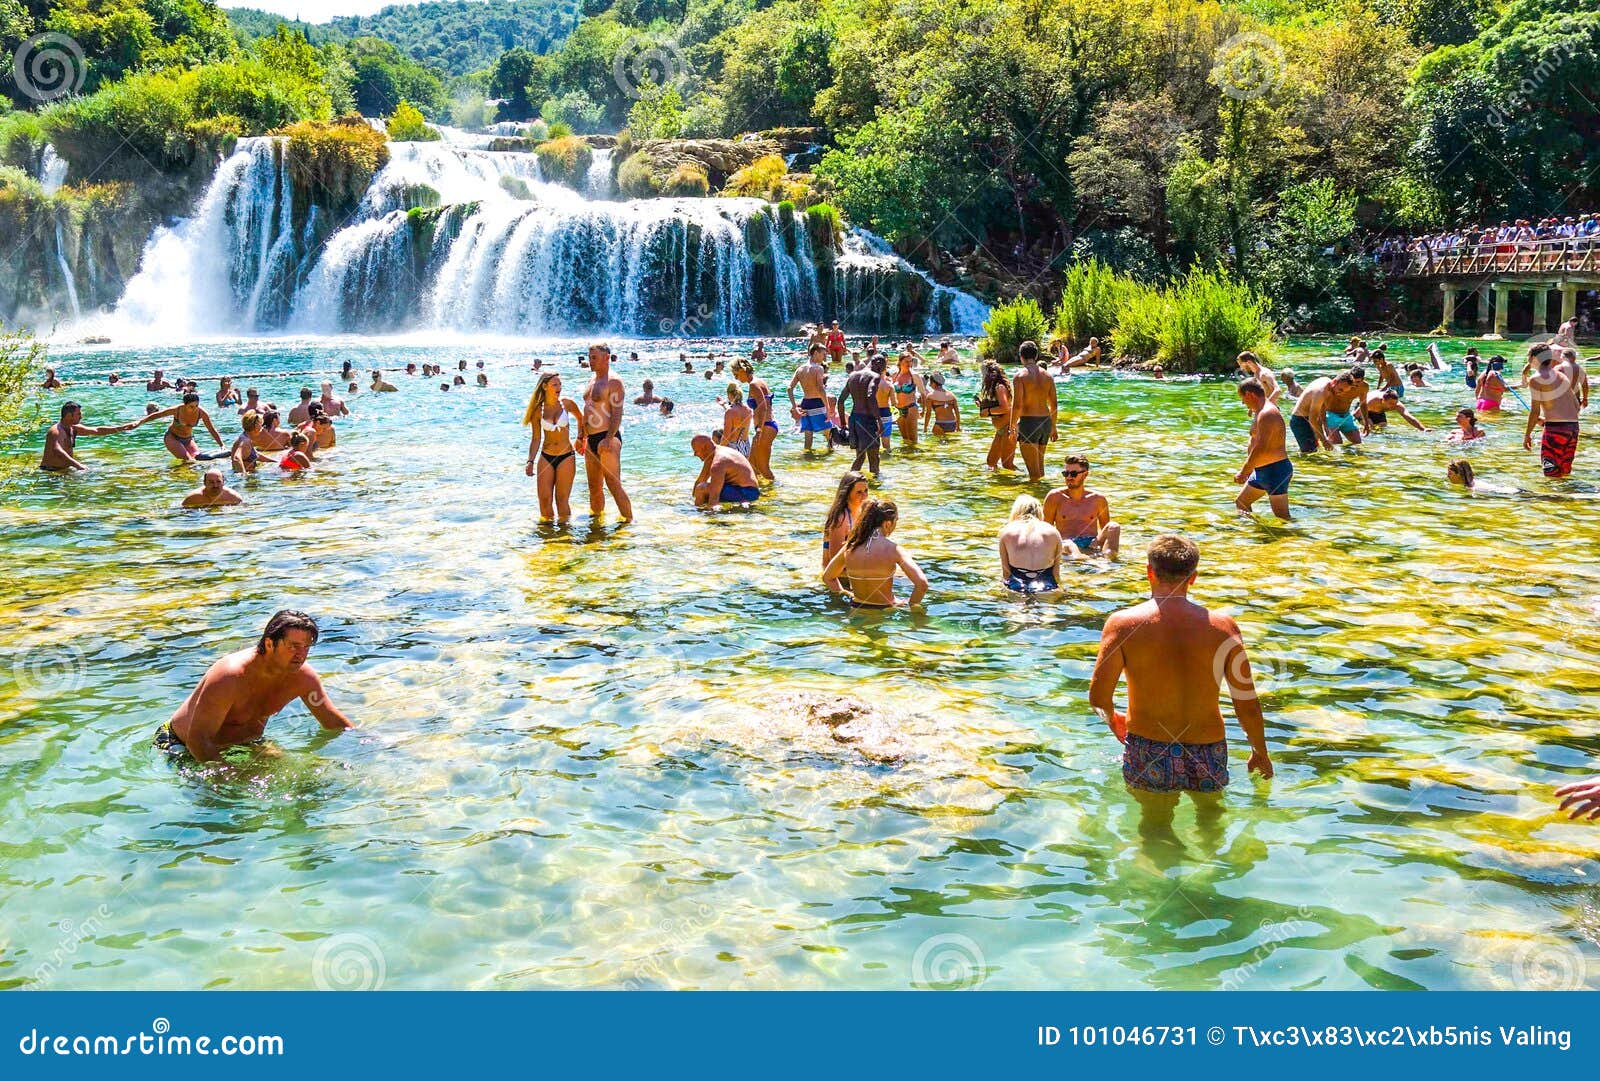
{"points": [[1070, 473]]}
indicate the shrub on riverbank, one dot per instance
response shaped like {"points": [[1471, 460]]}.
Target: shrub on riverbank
{"points": [[20, 359], [406, 125], [761, 179], [565, 161], [1092, 297], [688, 180], [1008, 326], [332, 163]]}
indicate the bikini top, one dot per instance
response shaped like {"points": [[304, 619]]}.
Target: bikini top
{"points": [[563, 425]]}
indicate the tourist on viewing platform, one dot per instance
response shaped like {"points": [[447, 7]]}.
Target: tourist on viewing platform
{"points": [[600, 437], [1176, 655], [241, 692], [62, 437], [811, 380], [870, 559], [725, 475]]}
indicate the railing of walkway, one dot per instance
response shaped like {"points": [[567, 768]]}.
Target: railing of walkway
{"points": [[1571, 256]]}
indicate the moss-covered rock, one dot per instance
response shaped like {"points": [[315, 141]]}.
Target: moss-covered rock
{"points": [[565, 161], [687, 180], [331, 164]]}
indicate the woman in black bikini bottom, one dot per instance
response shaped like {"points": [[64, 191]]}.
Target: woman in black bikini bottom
{"points": [[550, 451]]}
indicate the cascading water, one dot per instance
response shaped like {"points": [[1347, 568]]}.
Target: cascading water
{"points": [[450, 235], [52, 170], [66, 273]]}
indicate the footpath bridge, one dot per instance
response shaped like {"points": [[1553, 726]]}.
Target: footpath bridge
{"points": [[1493, 273]]}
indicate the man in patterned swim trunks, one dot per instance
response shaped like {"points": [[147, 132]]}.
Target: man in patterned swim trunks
{"points": [[1559, 390], [1175, 654]]}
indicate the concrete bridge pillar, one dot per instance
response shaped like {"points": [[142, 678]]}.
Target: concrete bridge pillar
{"points": [[1569, 302], [1449, 319], [1541, 310], [1502, 309]]}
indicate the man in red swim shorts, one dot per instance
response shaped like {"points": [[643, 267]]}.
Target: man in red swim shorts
{"points": [[1556, 390]]}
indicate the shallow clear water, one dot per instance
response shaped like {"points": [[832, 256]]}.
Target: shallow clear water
{"points": [[576, 767]]}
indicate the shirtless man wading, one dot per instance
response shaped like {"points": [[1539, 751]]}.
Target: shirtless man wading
{"points": [[241, 692], [1175, 655], [1322, 413], [1557, 391], [1267, 470], [1081, 516], [812, 409], [1033, 409], [725, 475], [601, 445], [62, 438]]}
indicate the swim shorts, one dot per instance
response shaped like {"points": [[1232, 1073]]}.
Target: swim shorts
{"points": [[1175, 767], [1343, 422], [865, 431], [1034, 430], [813, 415], [1085, 544], [1558, 447], [886, 419], [738, 493], [167, 740], [1026, 581], [1303, 434], [1273, 478], [1379, 420]]}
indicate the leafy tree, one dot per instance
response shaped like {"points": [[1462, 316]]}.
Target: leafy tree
{"points": [[510, 80], [406, 125]]}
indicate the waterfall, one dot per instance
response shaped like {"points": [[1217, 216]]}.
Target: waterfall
{"points": [[66, 272], [452, 236], [597, 183], [52, 170]]}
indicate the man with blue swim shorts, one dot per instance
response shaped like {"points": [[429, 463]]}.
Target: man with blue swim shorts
{"points": [[812, 410], [725, 476], [1267, 469], [1318, 409], [1176, 656]]}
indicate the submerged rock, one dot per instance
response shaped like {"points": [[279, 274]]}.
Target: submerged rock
{"points": [[848, 722]]}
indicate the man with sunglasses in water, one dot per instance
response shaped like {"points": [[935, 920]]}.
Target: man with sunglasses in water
{"points": [[241, 692], [1081, 516]]}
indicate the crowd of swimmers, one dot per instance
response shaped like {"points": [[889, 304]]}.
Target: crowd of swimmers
{"points": [[1174, 654]]}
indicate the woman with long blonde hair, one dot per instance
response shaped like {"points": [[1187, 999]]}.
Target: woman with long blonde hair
{"points": [[550, 447]]}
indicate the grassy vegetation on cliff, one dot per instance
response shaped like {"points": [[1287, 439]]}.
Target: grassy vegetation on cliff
{"points": [[334, 161], [565, 161]]}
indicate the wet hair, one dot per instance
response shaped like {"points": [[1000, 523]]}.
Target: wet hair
{"points": [[269, 418], [1077, 459], [1028, 350], [305, 392], [69, 407], [1249, 357], [191, 398], [1252, 386], [298, 440], [1392, 395], [874, 516], [1173, 558], [1463, 469], [285, 621], [250, 421], [841, 498], [1357, 374], [994, 378], [667, 406], [649, 385], [815, 348], [1026, 506], [1468, 412]]}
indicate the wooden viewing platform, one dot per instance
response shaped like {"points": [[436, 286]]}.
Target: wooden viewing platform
{"points": [[1494, 272]]}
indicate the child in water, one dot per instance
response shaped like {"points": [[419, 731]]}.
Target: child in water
{"points": [[1467, 427]]}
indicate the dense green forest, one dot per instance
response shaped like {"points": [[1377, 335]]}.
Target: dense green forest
{"points": [[455, 37], [998, 141]]}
